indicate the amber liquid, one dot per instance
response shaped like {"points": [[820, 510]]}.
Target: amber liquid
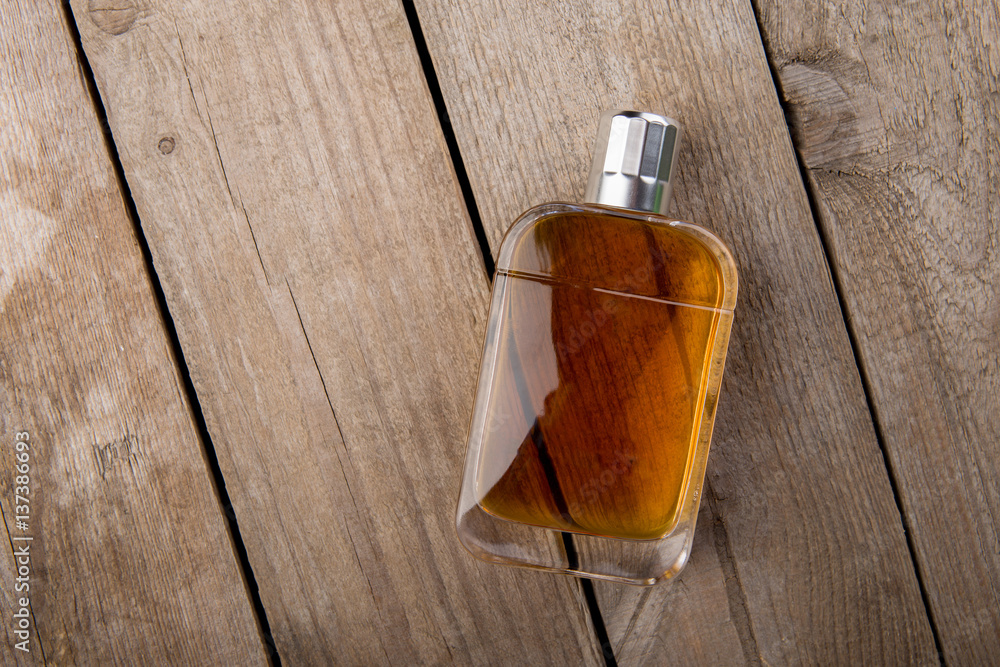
{"points": [[604, 345]]}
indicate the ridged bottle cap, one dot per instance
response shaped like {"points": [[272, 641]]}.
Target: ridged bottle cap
{"points": [[634, 160]]}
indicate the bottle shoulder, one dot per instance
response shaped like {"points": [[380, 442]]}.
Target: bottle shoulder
{"points": [[621, 250]]}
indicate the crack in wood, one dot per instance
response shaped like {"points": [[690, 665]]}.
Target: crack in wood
{"points": [[260, 259], [187, 74]]}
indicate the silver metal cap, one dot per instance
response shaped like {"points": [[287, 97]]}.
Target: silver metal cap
{"points": [[634, 160]]}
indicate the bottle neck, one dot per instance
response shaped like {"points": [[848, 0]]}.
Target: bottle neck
{"points": [[634, 161]]}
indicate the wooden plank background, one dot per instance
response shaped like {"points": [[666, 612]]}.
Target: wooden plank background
{"points": [[311, 179], [131, 562], [896, 119], [329, 296]]}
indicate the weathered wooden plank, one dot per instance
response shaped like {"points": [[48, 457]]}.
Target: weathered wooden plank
{"points": [[330, 299], [130, 561], [896, 113], [810, 550]]}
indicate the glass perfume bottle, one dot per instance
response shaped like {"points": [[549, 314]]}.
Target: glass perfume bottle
{"points": [[604, 351]]}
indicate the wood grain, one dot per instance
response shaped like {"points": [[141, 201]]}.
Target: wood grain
{"points": [[131, 562], [810, 548], [330, 299], [895, 114]]}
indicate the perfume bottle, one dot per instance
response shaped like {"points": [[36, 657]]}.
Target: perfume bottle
{"points": [[604, 352]]}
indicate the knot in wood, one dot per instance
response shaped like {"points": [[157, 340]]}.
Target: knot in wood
{"points": [[166, 145], [113, 16]]}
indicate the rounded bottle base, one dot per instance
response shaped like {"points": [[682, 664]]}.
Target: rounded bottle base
{"points": [[635, 562]]}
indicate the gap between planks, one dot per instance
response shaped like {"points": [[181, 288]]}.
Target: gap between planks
{"points": [[838, 288], [585, 586], [208, 450]]}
